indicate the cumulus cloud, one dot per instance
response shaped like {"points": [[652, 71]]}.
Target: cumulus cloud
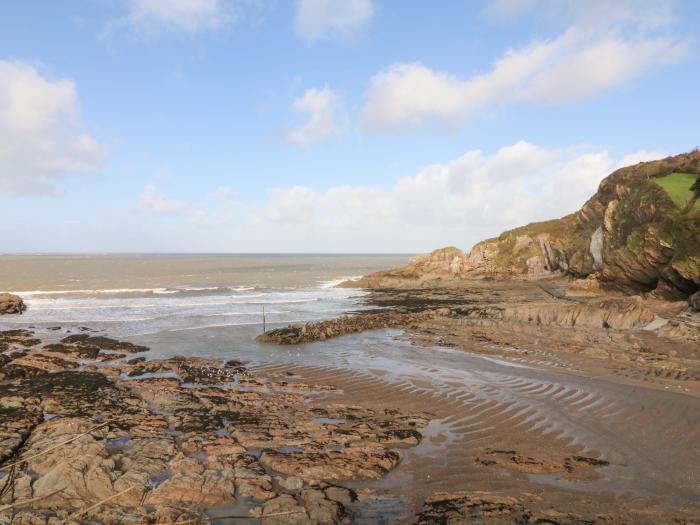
{"points": [[183, 16], [645, 13], [325, 117], [40, 134], [316, 19], [224, 193], [153, 202], [458, 202], [584, 61], [640, 156], [290, 206]]}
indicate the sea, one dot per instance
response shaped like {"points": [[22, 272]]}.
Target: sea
{"points": [[210, 305]]}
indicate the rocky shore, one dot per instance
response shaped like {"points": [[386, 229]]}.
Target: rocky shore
{"points": [[11, 304], [321, 330], [93, 430], [92, 433]]}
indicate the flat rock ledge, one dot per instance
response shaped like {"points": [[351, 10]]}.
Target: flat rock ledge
{"points": [[493, 508], [11, 304], [405, 309], [321, 330]]}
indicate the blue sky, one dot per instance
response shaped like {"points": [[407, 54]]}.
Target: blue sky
{"points": [[327, 125]]}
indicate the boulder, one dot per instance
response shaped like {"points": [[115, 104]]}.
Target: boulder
{"points": [[11, 304]]}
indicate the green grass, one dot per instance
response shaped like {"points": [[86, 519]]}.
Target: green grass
{"points": [[634, 240], [677, 185]]}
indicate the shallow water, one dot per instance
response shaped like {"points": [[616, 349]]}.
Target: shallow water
{"points": [[149, 295]]}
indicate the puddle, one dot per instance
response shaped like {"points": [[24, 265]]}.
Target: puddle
{"points": [[380, 511], [223, 432], [118, 443], [156, 479], [235, 514], [289, 449], [150, 375], [328, 421]]}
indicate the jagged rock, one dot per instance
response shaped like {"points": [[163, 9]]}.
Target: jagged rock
{"points": [[489, 508], [596, 248], [442, 264], [363, 462], [291, 483], [176, 447], [620, 314], [11, 304], [470, 507], [284, 510], [322, 330], [694, 301], [321, 509]]}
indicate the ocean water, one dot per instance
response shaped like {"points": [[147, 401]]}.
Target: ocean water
{"points": [[179, 300]]}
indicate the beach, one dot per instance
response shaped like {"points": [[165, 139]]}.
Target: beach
{"points": [[437, 413]]}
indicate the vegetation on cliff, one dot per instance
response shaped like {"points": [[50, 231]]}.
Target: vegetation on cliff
{"points": [[640, 232]]}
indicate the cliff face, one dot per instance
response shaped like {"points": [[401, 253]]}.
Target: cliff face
{"points": [[445, 264], [640, 232]]}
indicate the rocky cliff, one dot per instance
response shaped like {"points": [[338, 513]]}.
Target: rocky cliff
{"points": [[11, 304], [639, 233]]}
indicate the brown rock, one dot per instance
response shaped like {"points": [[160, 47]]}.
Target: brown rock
{"points": [[11, 304], [694, 301]]}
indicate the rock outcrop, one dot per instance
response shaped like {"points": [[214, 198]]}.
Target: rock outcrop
{"points": [[444, 264], [159, 441], [11, 304], [321, 330], [640, 233]]}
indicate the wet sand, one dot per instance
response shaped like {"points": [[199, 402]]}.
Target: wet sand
{"points": [[511, 429], [595, 424]]}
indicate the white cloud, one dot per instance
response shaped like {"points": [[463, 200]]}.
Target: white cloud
{"points": [[583, 62], [289, 206], [40, 135], [224, 193], [325, 120], [183, 16], [316, 19], [151, 201], [640, 156], [645, 13], [459, 202]]}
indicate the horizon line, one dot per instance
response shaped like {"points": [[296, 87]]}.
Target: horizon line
{"points": [[40, 253]]}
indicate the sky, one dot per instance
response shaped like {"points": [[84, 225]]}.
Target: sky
{"points": [[327, 126]]}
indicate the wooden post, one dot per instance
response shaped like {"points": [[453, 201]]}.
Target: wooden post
{"points": [[264, 319]]}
